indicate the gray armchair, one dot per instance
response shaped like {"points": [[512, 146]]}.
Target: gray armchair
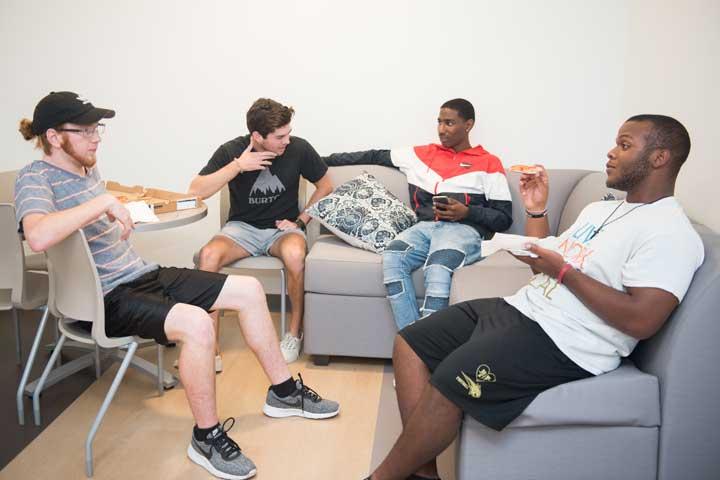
{"points": [[654, 417]]}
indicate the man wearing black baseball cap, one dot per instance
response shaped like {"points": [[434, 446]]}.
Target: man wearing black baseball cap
{"points": [[66, 107], [56, 110], [63, 192]]}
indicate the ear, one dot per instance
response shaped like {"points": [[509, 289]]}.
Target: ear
{"points": [[256, 137], [661, 158], [469, 124], [54, 138]]}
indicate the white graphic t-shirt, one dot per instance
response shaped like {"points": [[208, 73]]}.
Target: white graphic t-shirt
{"points": [[641, 245]]}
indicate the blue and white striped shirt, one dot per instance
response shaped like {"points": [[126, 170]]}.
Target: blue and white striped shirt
{"points": [[43, 188]]}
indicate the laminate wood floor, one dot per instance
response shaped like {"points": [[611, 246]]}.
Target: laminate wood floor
{"points": [[145, 435]]}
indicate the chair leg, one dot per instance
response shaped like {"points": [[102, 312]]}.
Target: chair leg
{"points": [[106, 403], [28, 366], [43, 378], [57, 337], [160, 361], [18, 341], [98, 365], [283, 309]]}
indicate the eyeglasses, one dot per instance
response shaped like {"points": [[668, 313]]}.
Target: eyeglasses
{"points": [[86, 132]]}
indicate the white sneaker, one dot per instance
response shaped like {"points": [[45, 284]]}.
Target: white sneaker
{"points": [[218, 364], [290, 347]]}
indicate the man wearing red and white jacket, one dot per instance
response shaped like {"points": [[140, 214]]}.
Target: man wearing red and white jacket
{"points": [[460, 195]]}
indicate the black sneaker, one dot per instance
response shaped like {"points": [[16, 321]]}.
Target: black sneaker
{"points": [[220, 455], [303, 402]]}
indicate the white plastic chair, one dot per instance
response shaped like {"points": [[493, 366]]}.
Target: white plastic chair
{"points": [[264, 262], [76, 294], [20, 288]]}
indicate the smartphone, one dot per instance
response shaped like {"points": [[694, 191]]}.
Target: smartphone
{"points": [[442, 199]]}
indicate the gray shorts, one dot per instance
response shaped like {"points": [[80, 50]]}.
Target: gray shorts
{"points": [[257, 241]]}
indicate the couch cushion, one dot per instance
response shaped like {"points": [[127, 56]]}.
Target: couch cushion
{"points": [[624, 396], [334, 267], [498, 275], [363, 213], [589, 189]]}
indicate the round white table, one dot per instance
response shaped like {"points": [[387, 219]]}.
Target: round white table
{"points": [[174, 219]]}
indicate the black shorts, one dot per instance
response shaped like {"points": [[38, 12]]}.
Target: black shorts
{"points": [[141, 306], [489, 359]]}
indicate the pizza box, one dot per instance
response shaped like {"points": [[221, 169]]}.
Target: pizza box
{"points": [[162, 201]]}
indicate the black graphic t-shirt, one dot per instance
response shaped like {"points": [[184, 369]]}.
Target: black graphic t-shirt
{"points": [[264, 196]]}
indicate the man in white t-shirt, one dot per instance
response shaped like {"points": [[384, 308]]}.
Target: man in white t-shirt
{"points": [[613, 278]]}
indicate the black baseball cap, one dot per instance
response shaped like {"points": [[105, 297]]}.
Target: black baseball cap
{"points": [[62, 107]]}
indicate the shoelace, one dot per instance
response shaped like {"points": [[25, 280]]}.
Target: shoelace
{"points": [[287, 341], [306, 391], [290, 341], [225, 445]]}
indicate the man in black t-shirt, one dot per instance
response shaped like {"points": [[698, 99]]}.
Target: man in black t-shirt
{"points": [[262, 171]]}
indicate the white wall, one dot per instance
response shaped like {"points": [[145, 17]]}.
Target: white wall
{"points": [[674, 68], [551, 81]]}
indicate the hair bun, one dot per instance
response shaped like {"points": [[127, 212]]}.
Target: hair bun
{"points": [[26, 129]]}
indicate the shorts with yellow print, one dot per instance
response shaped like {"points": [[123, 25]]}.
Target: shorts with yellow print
{"points": [[489, 359]]}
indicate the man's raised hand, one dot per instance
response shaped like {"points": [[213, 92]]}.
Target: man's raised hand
{"points": [[534, 190], [250, 161]]}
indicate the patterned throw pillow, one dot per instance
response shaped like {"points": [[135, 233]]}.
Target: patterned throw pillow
{"points": [[363, 213]]}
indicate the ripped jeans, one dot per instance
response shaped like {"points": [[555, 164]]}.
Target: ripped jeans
{"points": [[440, 248]]}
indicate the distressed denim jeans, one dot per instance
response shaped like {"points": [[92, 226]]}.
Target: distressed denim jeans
{"points": [[440, 248]]}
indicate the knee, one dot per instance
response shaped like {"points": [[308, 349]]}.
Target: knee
{"points": [[197, 327], [394, 253], [209, 258], [401, 349], [246, 290], [448, 259], [395, 247], [294, 259]]}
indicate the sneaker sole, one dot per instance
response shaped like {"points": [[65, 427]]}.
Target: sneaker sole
{"points": [[276, 412], [205, 463], [291, 360]]}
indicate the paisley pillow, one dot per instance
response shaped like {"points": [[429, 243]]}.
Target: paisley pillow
{"points": [[363, 213]]}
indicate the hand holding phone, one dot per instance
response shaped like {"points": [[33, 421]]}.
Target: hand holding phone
{"points": [[441, 199]]}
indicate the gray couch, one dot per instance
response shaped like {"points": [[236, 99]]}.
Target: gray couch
{"points": [[657, 416], [346, 312]]}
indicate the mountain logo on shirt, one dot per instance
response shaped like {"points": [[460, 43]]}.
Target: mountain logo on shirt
{"points": [[266, 189]]}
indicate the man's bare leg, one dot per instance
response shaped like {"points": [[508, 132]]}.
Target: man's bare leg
{"points": [[194, 328], [245, 295], [217, 253], [431, 428], [430, 421], [291, 249]]}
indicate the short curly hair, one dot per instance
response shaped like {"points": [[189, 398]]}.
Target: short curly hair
{"points": [[266, 115], [666, 133]]}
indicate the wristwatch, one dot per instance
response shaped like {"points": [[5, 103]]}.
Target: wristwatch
{"points": [[536, 214], [301, 225]]}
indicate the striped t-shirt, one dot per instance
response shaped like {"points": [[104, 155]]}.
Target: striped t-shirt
{"points": [[43, 188]]}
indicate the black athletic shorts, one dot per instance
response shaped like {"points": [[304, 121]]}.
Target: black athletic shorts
{"points": [[489, 359], [140, 307]]}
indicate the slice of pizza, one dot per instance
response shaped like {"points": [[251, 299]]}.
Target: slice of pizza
{"points": [[526, 169]]}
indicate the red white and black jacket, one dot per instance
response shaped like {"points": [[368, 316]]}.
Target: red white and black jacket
{"points": [[473, 177]]}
